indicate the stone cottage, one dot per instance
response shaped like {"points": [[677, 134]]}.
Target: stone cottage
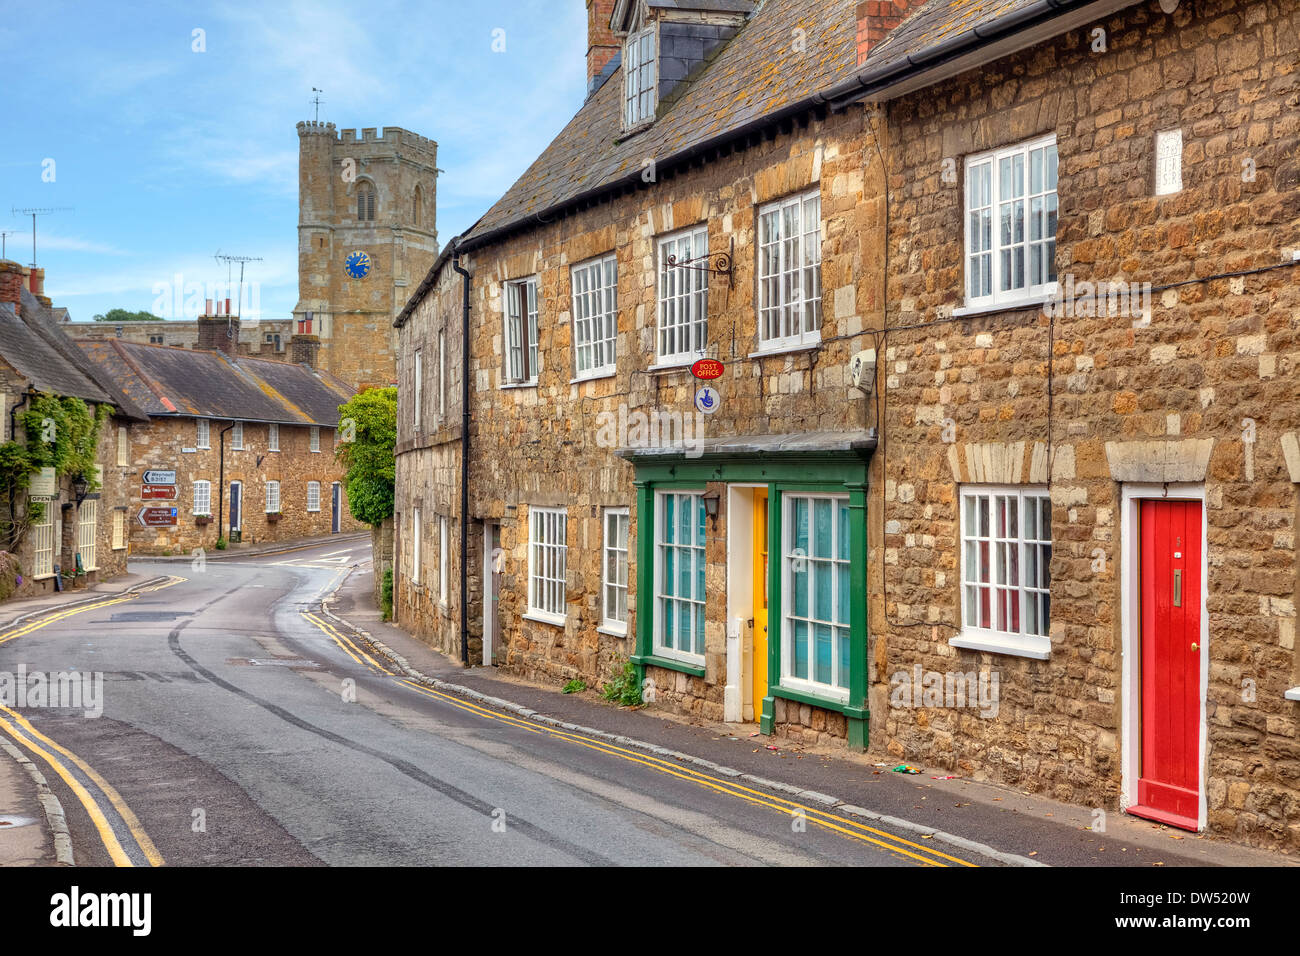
{"points": [[604, 504], [231, 446], [990, 461], [77, 534]]}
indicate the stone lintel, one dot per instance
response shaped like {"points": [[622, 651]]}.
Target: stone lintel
{"points": [[1158, 462]]}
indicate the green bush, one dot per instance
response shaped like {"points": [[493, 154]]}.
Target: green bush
{"points": [[574, 686], [624, 689], [221, 544], [386, 595]]}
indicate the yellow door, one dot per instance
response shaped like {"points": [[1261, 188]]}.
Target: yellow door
{"points": [[760, 599]]}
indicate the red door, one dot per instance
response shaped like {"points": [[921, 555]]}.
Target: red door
{"points": [[1170, 779]]}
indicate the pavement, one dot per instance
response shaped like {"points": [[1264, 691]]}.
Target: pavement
{"points": [[1014, 826]]}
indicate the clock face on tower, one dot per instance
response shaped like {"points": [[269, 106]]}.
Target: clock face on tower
{"points": [[357, 265]]}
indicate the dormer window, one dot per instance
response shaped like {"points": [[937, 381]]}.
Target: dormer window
{"points": [[639, 78]]}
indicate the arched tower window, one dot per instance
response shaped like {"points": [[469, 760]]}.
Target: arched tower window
{"points": [[417, 207], [365, 202]]}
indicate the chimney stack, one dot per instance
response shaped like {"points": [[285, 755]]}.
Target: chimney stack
{"points": [[219, 334], [37, 284], [876, 18], [602, 45], [304, 349], [12, 279]]}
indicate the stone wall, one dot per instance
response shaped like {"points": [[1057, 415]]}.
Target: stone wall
{"points": [[353, 316], [1201, 390], [171, 444], [185, 334], [541, 446], [113, 495]]}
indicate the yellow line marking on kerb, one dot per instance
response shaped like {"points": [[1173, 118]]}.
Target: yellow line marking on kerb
{"points": [[91, 805], [821, 817]]}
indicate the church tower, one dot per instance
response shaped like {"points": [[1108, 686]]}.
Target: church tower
{"points": [[367, 234]]}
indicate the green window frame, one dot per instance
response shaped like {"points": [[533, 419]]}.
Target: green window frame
{"points": [[679, 565], [816, 593], [837, 474]]}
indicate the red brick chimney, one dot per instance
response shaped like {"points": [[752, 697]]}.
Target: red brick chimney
{"points": [[219, 334], [602, 45], [37, 282], [12, 280], [876, 18]]}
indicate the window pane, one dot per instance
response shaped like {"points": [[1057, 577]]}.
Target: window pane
{"points": [[823, 654], [799, 649]]}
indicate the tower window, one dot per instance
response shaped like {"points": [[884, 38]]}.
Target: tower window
{"points": [[417, 207], [365, 202]]}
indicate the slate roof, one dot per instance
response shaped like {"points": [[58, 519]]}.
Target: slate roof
{"points": [[757, 77], [754, 76], [37, 348], [174, 382], [940, 30]]}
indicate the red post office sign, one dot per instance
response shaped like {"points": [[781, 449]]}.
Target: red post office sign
{"points": [[152, 492], [708, 369]]}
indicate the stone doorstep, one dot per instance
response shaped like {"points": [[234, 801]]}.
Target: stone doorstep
{"points": [[1122, 829]]}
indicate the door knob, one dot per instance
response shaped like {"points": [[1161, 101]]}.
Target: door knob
{"points": [[1195, 646]]}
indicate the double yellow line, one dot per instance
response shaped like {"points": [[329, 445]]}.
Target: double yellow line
{"points": [[24, 734], [350, 648], [845, 827]]}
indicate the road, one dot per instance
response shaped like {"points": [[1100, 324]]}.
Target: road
{"points": [[239, 728]]}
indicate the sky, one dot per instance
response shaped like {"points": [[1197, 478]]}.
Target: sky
{"points": [[166, 154]]}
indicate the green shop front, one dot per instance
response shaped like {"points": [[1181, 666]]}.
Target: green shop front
{"points": [[751, 572]]}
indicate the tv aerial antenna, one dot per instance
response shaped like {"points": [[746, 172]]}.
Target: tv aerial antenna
{"points": [[230, 261], [34, 212], [316, 100], [3, 242]]}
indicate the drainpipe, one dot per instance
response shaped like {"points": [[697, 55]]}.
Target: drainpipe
{"points": [[464, 455], [13, 413], [221, 482]]}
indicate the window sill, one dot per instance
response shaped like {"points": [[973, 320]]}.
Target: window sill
{"points": [[627, 132], [1013, 305], [819, 700], [518, 385], [541, 617], [1038, 648], [594, 376], [612, 630], [119, 547], [1292, 694], [42, 577], [807, 693], [787, 349], [663, 367], [670, 663]]}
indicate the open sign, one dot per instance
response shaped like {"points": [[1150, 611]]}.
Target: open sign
{"points": [[708, 369]]}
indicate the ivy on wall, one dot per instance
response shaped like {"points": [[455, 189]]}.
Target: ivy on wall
{"points": [[61, 433]]}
